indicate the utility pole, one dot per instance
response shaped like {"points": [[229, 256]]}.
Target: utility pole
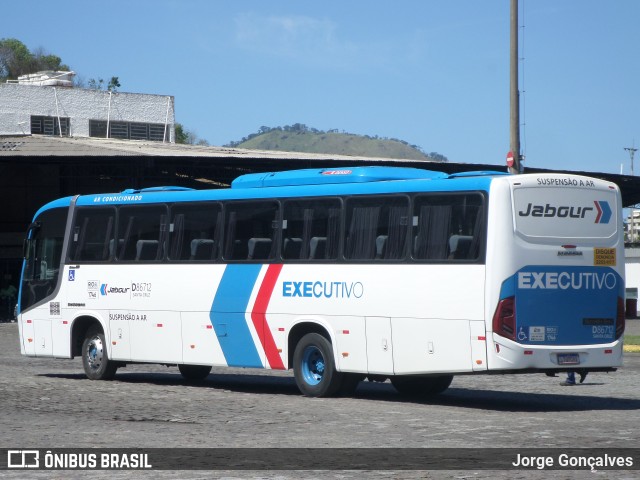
{"points": [[632, 151], [514, 96]]}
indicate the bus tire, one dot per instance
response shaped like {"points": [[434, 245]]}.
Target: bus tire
{"points": [[421, 386], [194, 373], [95, 359], [314, 367]]}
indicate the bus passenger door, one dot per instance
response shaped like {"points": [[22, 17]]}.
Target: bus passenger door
{"points": [[379, 345]]}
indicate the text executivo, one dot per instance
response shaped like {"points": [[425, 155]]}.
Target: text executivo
{"points": [[567, 280], [319, 289]]}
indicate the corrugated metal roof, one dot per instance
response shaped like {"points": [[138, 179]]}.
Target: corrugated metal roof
{"points": [[39, 145], [212, 163]]}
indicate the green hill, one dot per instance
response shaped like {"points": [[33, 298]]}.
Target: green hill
{"points": [[300, 138]]}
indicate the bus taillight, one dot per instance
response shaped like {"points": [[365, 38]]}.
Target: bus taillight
{"points": [[504, 320], [620, 321]]}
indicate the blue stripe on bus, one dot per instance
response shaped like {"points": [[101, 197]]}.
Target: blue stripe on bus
{"points": [[565, 305], [228, 315]]}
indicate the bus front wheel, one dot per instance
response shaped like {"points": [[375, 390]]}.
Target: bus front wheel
{"points": [[95, 359], [314, 367], [421, 386]]}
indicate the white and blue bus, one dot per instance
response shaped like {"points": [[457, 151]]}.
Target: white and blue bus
{"points": [[338, 274]]}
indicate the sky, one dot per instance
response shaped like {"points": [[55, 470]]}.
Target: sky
{"points": [[434, 73]]}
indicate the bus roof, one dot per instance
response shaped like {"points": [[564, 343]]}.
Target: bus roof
{"points": [[60, 202], [303, 183]]}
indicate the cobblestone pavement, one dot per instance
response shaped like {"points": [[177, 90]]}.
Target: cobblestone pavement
{"points": [[48, 403]]}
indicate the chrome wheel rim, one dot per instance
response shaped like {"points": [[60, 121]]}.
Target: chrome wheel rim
{"points": [[95, 353]]}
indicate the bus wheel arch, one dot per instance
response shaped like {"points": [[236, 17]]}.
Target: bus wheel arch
{"points": [[79, 332], [300, 330]]}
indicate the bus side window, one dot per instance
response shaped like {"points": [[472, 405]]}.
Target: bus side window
{"points": [[448, 227], [376, 228], [311, 229], [92, 235], [142, 232], [194, 232], [251, 230]]}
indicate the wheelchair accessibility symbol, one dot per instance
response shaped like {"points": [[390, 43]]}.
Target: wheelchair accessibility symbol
{"points": [[521, 334], [72, 275]]}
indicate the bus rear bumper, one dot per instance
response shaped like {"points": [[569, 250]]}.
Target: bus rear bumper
{"points": [[508, 355]]}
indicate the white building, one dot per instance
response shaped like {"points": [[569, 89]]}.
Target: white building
{"points": [[632, 226], [46, 104]]}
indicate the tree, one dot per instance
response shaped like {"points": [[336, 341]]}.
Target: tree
{"points": [[17, 60], [188, 137], [44, 61], [438, 157], [113, 85], [94, 84], [181, 136], [98, 84]]}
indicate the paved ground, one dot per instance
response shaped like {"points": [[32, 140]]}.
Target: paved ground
{"points": [[48, 403]]}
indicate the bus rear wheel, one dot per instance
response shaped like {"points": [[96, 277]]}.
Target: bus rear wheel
{"points": [[314, 367], [95, 359], [421, 386], [194, 373]]}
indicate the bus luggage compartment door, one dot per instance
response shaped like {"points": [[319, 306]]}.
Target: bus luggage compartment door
{"points": [[379, 345], [42, 338], [428, 345]]}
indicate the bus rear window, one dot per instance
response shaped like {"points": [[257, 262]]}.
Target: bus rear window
{"points": [[555, 213]]}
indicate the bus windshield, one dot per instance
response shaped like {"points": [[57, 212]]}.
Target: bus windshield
{"points": [[43, 250]]}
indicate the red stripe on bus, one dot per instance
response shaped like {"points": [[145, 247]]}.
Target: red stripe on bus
{"points": [[259, 318], [599, 216]]}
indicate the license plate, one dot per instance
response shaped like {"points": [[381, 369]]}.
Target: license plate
{"points": [[568, 359]]}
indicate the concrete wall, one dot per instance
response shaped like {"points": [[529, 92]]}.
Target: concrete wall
{"points": [[19, 102]]}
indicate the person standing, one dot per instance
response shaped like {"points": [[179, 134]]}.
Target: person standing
{"points": [[571, 377], [7, 300]]}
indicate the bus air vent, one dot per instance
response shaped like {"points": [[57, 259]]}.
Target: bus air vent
{"points": [[168, 188], [326, 176]]}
